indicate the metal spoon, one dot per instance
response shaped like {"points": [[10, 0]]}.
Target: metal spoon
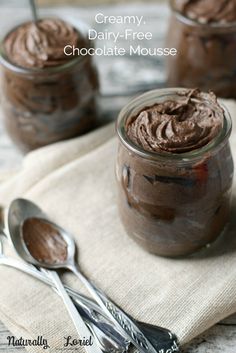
{"points": [[158, 336], [106, 336], [33, 10], [22, 209], [19, 211]]}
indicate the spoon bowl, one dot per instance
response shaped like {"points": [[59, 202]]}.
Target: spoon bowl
{"points": [[19, 212], [69, 243]]}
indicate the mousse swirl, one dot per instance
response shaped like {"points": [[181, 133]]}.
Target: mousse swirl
{"points": [[41, 45], [207, 11], [179, 125]]}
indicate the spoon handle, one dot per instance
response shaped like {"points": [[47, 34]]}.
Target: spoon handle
{"points": [[89, 310], [126, 325], [79, 324], [34, 10]]}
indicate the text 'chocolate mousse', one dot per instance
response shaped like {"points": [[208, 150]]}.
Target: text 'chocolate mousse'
{"points": [[189, 122]]}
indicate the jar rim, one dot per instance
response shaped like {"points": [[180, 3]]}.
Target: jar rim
{"points": [[6, 62], [191, 22], [148, 99]]}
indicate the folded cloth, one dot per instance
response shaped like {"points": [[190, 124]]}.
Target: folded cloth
{"points": [[74, 182]]}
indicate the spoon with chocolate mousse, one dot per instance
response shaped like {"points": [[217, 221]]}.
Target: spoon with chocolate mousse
{"points": [[104, 332], [38, 242], [45, 244]]}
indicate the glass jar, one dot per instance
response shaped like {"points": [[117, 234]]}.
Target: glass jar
{"points": [[173, 204], [206, 55], [45, 105]]}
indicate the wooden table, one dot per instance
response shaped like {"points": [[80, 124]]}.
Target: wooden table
{"points": [[121, 78]]}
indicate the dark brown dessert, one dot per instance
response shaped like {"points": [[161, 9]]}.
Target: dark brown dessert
{"points": [[181, 125], [44, 242], [204, 34], [221, 11], [41, 45], [47, 96], [175, 171]]}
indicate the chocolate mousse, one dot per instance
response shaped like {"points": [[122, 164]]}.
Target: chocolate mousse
{"points": [[189, 122], [204, 34], [41, 45], [174, 171], [203, 11], [44, 241], [48, 96]]}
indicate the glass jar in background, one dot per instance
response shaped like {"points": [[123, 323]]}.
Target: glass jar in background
{"points": [[206, 56], [173, 204], [45, 105]]}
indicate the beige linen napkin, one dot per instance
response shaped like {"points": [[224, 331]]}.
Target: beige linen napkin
{"points": [[74, 183]]}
